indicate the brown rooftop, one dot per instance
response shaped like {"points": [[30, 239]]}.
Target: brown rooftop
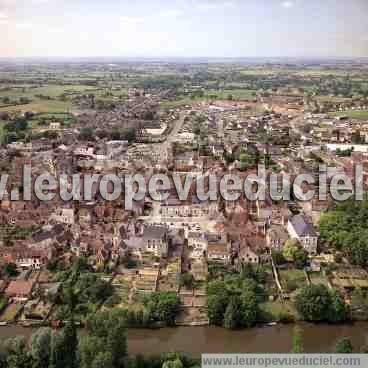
{"points": [[19, 288]]}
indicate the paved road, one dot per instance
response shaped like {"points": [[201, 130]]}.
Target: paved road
{"points": [[177, 126], [172, 135]]}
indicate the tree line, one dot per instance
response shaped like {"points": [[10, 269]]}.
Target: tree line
{"points": [[102, 344]]}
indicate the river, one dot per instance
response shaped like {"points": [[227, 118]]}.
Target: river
{"points": [[195, 340]]}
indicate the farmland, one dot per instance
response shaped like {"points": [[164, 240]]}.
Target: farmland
{"points": [[354, 114], [51, 98]]}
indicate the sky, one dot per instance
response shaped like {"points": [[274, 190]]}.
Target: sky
{"points": [[184, 28]]}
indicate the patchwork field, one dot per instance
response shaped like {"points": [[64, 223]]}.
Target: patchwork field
{"points": [[354, 114], [52, 98]]}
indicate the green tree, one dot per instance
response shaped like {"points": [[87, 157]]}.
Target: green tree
{"points": [[89, 348], [103, 360], [345, 228], [313, 303], [290, 248], [187, 280], [344, 346], [232, 318], [86, 134], [278, 258], [64, 347], [16, 353], [17, 125], [300, 258], [107, 333], [247, 160], [176, 363], [249, 308], [216, 305], [339, 311], [247, 271], [71, 344], [163, 307], [3, 357], [40, 347], [10, 270]]}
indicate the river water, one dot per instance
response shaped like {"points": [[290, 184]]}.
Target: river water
{"points": [[196, 340]]}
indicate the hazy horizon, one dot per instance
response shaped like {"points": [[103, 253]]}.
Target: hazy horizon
{"points": [[159, 29]]}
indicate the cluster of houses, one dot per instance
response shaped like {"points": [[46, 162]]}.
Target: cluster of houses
{"points": [[172, 236]]}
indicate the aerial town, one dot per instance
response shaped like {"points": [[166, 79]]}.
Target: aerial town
{"points": [[235, 264]]}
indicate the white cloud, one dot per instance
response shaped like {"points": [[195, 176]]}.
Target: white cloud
{"points": [[3, 16], [55, 30], [171, 13], [5, 3], [287, 4], [214, 5], [40, 2], [23, 25], [131, 20]]}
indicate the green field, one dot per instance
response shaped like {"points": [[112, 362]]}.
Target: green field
{"points": [[238, 94], [41, 105], [47, 90], [44, 106], [334, 99], [354, 114], [259, 71], [308, 72]]}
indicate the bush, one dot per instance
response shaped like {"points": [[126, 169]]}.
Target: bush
{"points": [[162, 307], [316, 303], [187, 280]]}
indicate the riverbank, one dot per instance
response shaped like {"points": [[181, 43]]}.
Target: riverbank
{"points": [[196, 340]]}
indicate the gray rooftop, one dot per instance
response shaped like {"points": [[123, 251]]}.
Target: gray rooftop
{"points": [[154, 232], [303, 226]]}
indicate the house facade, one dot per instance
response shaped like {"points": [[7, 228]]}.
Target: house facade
{"points": [[155, 240], [300, 227]]}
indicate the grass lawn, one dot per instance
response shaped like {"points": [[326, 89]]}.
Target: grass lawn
{"points": [[47, 90], [292, 280], [65, 118], [354, 114], [317, 278], [277, 311], [3, 302], [54, 91], [41, 106]]}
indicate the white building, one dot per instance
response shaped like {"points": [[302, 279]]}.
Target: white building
{"points": [[300, 227]]}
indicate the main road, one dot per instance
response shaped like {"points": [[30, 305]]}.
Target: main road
{"points": [[177, 125]]}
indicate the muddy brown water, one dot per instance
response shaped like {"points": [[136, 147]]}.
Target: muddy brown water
{"points": [[196, 340]]}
